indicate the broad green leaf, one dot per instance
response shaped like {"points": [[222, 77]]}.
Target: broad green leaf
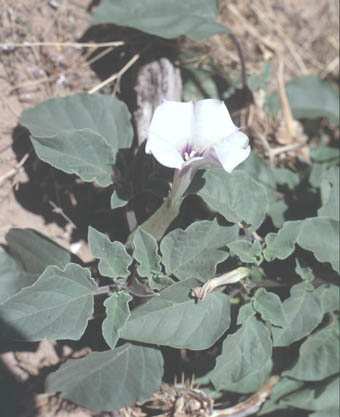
{"points": [[82, 152], [57, 306], [34, 251], [270, 177], [330, 207], [309, 97], [110, 380], [196, 251], [325, 154], [98, 113], [320, 235], [257, 82], [318, 355], [247, 252], [276, 211], [329, 412], [269, 306], [30, 253], [80, 134], [305, 272], [237, 197], [244, 353], [303, 313], [175, 319], [159, 282], [253, 381], [286, 177], [318, 173], [199, 83], [117, 313], [12, 277], [246, 311], [282, 244], [321, 397], [283, 387], [259, 170], [328, 296], [146, 254], [114, 260], [167, 19], [116, 201]]}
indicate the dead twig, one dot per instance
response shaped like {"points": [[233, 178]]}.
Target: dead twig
{"points": [[14, 170], [116, 75]]}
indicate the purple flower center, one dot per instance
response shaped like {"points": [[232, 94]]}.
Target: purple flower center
{"points": [[188, 152]]}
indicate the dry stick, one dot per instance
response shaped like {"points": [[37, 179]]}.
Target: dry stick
{"points": [[288, 116], [59, 210], [14, 170], [63, 44], [287, 113], [116, 75]]}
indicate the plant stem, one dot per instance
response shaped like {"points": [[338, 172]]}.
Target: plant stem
{"points": [[159, 222]]}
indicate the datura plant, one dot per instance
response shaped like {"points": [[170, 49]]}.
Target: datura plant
{"points": [[228, 273]]}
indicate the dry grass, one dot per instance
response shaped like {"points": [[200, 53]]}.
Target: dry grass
{"points": [[297, 38]]}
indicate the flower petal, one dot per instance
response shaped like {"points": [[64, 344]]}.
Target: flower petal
{"points": [[212, 123], [231, 151], [173, 122], [165, 152]]}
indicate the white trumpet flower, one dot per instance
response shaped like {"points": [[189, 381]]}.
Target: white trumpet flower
{"points": [[188, 136]]}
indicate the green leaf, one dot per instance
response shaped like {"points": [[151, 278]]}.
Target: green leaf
{"points": [[116, 201], [282, 244], [309, 97], [159, 282], [321, 397], [303, 313], [12, 277], [318, 355], [334, 412], [325, 154], [146, 254], [114, 259], [57, 306], [247, 252], [316, 234], [244, 353], [194, 18], [320, 235], [286, 177], [199, 83], [246, 311], [331, 206], [276, 211], [283, 387], [34, 251], [81, 152], [80, 134], [99, 113], [196, 251], [269, 306], [30, 253], [328, 296], [305, 272], [117, 314], [259, 170], [237, 197], [175, 319], [110, 380]]}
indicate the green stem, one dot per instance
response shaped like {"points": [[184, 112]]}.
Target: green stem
{"points": [[159, 222]]}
